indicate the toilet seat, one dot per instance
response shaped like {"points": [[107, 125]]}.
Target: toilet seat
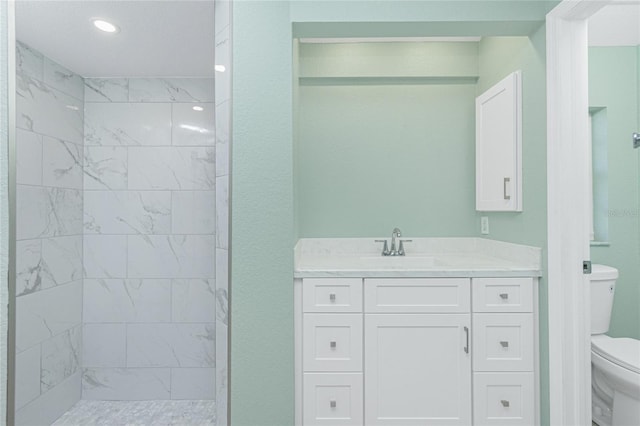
{"points": [[622, 351]]}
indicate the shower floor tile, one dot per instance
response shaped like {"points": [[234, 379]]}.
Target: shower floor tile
{"points": [[140, 413]]}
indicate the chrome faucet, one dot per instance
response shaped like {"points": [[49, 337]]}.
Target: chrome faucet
{"points": [[395, 235]]}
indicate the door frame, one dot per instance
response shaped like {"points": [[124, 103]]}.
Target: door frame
{"points": [[567, 211]]}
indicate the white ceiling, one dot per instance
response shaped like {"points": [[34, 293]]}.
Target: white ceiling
{"points": [[160, 38], [616, 25]]}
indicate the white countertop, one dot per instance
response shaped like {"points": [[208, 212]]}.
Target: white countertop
{"points": [[426, 257]]}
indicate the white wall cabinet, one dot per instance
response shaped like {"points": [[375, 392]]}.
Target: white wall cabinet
{"points": [[416, 351], [499, 146]]}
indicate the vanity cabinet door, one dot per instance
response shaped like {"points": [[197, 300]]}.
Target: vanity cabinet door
{"points": [[417, 369]]}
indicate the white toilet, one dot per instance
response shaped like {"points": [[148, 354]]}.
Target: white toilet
{"points": [[615, 362]]}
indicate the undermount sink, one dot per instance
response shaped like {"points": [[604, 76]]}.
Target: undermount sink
{"points": [[399, 261]]}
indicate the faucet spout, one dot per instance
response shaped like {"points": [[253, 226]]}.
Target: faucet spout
{"points": [[394, 235]]}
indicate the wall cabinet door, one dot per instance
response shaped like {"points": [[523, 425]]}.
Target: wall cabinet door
{"points": [[499, 146], [417, 369]]}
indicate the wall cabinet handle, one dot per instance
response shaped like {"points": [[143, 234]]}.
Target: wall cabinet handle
{"points": [[333, 403], [504, 188], [504, 344], [333, 344], [504, 403], [466, 348]]}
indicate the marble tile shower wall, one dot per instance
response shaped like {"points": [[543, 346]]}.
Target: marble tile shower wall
{"points": [[49, 238], [223, 9], [149, 239]]}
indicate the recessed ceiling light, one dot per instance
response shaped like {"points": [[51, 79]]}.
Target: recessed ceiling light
{"points": [[220, 68], [105, 26], [198, 108]]}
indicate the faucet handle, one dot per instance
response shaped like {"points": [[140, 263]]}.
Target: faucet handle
{"points": [[401, 247], [385, 248]]}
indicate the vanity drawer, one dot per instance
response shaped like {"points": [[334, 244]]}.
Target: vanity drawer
{"points": [[332, 399], [332, 294], [417, 295], [332, 342], [503, 342], [505, 399], [502, 294]]}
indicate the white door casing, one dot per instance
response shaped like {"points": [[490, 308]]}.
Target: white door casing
{"points": [[567, 204]]}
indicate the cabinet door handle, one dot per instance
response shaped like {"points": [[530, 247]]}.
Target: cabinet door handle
{"points": [[333, 403], [332, 297], [333, 344], [504, 296], [466, 348], [504, 344], [504, 188], [504, 403]]}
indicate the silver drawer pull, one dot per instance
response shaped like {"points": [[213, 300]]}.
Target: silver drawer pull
{"points": [[333, 344], [504, 344], [504, 296], [332, 297], [333, 403], [504, 188], [504, 403]]}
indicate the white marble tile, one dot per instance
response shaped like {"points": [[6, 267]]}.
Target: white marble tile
{"points": [[46, 263], [172, 168], [127, 212], [105, 167], [106, 90], [222, 270], [30, 268], [127, 124], [222, 19], [62, 79], [126, 383], [47, 212], [61, 357], [223, 58], [193, 127], [193, 300], [193, 383], [28, 158], [27, 376], [62, 258], [171, 345], [171, 90], [29, 62], [127, 300], [105, 256], [51, 405], [48, 111], [61, 164], [222, 212], [104, 345], [44, 314], [172, 256], [193, 212], [221, 368]]}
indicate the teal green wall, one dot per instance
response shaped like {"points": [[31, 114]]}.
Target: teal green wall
{"points": [[371, 157], [262, 219], [261, 299], [613, 84]]}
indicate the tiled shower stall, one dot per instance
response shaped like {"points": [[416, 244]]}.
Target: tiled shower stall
{"points": [[122, 241]]}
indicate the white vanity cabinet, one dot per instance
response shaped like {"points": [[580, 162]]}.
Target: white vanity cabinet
{"points": [[416, 351]]}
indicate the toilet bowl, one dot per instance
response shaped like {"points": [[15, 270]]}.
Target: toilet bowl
{"points": [[615, 362]]}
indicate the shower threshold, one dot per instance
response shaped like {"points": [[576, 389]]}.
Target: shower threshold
{"points": [[140, 413]]}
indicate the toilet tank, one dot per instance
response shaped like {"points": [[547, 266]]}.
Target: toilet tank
{"points": [[603, 280]]}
